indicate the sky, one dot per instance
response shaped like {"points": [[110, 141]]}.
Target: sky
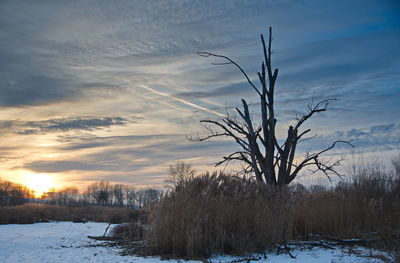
{"points": [[109, 90]]}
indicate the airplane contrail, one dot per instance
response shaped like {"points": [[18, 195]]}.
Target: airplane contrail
{"points": [[182, 101]]}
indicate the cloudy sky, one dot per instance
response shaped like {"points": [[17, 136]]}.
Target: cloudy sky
{"points": [[108, 90]]}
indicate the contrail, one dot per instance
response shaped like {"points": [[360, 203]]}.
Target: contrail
{"points": [[183, 101]]}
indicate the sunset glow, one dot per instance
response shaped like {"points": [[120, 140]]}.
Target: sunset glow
{"points": [[39, 183]]}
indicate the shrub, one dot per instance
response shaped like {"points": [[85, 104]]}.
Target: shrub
{"points": [[33, 213]]}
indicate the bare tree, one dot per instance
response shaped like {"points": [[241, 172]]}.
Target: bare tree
{"points": [[118, 194], [66, 196], [147, 196], [130, 195], [100, 192], [271, 162], [179, 174]]}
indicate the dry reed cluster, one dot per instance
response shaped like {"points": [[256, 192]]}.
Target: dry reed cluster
{"points": [[218, 213]]}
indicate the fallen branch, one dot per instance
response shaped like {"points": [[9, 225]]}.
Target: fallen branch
{"points": [[245, 260], [105, 232], [331, 242], [324, 245], [352, 241], [286, 249], [103, 238]]}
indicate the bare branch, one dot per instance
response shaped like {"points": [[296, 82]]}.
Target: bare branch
{"points": [[319, 107], [238, 156], [226, 132], [314, 159], [208, 54], [306, 139]]}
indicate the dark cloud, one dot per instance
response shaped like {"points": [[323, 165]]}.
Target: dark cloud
{"points": [[36, 79], [375, 138], [57, 125], [66, 166]]}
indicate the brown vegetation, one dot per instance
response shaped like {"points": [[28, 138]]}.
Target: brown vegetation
{"points": [[33, 213], [219, 213]]}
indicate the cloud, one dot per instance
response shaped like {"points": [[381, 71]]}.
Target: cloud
{"points": [[128, 155], [62, 125], [375, 138], [66, 166]]}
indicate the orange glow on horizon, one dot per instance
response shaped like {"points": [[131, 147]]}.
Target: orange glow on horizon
{"points": [[39, 183]]}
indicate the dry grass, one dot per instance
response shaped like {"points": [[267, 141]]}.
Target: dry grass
{"points": [[218, 213], [33, 213], [226, 214]]}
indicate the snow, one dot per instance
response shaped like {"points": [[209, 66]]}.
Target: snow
{"points": [[58, 242], [68, 242]]}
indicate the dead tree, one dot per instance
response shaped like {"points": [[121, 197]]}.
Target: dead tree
{"points": [[271, 162]]}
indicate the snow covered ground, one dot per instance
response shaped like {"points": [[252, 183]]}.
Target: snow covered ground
{"points": [[58, 242]]}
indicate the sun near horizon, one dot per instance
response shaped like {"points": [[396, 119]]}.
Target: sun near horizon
{"points": [[39, 183]]}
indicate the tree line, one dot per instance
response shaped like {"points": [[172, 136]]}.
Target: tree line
{"points": [[13, 193], [103, 193]]}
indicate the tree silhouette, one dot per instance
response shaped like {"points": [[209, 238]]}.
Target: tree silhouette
{"points": [[271, 162]]}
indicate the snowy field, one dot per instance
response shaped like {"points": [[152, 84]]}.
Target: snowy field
{"points": [[57, 242]]}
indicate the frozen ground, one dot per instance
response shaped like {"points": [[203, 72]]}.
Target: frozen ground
{"points": [[58, 242]]}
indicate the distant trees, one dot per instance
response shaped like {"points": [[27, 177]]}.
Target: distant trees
{"points": [[69, 195], [118, 194], [100, 192], [13, 193], [271, 160], [103, 193], [130, 196]]}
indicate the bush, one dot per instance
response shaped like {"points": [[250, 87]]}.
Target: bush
{"points": [[33, 213], [135, 229]]}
